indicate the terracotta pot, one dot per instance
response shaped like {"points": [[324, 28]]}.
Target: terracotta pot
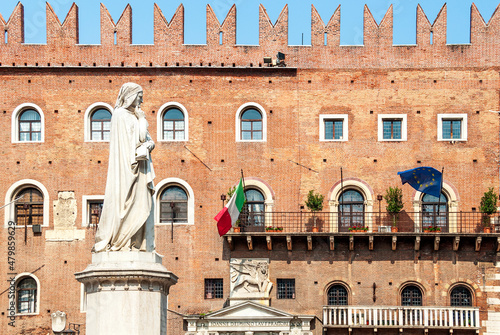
{"points": [[236, 229], [427, 231], [394, 229], [487, 230], [315, 229]]}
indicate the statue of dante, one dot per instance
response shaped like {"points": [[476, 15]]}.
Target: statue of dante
{"points": [[127, 221]]}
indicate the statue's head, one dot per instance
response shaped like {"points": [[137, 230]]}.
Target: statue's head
{"points": [[130, 93]]}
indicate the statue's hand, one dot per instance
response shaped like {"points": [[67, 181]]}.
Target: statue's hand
{"points": [[139, 113], [150, 145]]}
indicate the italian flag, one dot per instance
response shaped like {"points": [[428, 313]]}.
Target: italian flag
{"points": [[229, 214]]}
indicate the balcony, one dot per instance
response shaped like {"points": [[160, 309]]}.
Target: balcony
{"points": [[401, 317], [334, 222], [450, 228]]}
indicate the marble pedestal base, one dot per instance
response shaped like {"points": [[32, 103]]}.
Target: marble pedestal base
{"points": [[126, 293]]}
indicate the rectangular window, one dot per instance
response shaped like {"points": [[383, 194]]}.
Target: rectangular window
{"points": [[333, 127], [452, 127], [214, 289], [94, 212], [286, 289], [392, 127]]}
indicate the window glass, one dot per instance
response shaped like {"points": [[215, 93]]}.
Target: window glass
{"points": [[452, 129], [334, 129], [214, 289], [100, 125], [435, 212], [251, 125], [411, 296], [94, 212], [173, 125], [351, 210], [29, 208], [30, 126], [337, 295], [286, 289], [173, 205], [392, 129], [461, 296], [26, 296]]}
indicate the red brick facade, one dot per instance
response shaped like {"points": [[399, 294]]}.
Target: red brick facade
{"points": [[212, 82]]}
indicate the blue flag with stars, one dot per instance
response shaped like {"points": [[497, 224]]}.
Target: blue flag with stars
{"points": [[424, 179]]}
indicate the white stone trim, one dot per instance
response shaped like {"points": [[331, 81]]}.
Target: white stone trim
{"points": [[238, 121], [345, 126], [85, 207], [401, 117], [11, 192], [190, 208], [38, 289], [441, 117], [88, 112], [15, 122], [159, 121], [83, 298], [452, 205], [350, 184]]}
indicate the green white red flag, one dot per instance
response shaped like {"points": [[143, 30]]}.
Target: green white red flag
{"points": [[230, 213]]}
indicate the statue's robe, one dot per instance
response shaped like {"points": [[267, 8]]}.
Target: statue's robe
{"points": [[127, 220]]}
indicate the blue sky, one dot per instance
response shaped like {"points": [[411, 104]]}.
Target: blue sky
{"points": [[247, 17]]}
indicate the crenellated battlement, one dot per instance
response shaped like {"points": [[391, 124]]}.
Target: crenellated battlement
{"points": [[325, 51]]}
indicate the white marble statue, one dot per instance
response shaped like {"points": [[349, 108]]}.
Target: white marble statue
{"points": [[127, 216]]}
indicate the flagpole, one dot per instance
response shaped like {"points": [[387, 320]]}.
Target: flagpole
{"points": [[342, 197], [440, 190]]}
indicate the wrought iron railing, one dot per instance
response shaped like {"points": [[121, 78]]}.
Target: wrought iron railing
{"points": [[401, 316], [334, 222]]}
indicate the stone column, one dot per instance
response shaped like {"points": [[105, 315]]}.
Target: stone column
{"points": [[126, 293]]}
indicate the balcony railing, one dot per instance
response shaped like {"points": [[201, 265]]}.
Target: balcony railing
{"points": [[334, 222], [363, 316]]}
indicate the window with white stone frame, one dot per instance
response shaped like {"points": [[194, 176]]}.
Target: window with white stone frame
{"points": [[452, 127]]}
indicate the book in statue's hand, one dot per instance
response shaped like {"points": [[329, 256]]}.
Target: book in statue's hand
{"points": [[142, 153]]}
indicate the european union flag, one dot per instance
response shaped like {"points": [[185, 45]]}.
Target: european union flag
{"points": [[424, 179]]}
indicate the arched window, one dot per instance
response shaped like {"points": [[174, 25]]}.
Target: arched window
{"points": [[435, 212], [173, 205], [411, 296], [26, 296], [337, 296], [30, 126], [252, 215], [29, 207], [461, 296], [100, 124], [173, 125], [351, 210], [251, 125]]}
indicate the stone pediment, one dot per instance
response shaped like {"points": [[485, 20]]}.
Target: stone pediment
{"points": [[248, 309], [249, 317]]}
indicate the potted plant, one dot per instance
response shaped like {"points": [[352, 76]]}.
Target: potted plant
{"points": [[394, 198], [488, 206], [432, 229], [314, 203]]}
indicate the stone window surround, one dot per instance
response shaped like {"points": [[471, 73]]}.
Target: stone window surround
{"points": [[17, 279], [15, 122], [10, 210], [190, 205], [159, 121], [85, 207], [88, 114], [400, 117], [240, 111], [441, 117], [345, 126]]}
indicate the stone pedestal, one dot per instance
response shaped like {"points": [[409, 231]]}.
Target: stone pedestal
{"points": [[126, 293]]}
